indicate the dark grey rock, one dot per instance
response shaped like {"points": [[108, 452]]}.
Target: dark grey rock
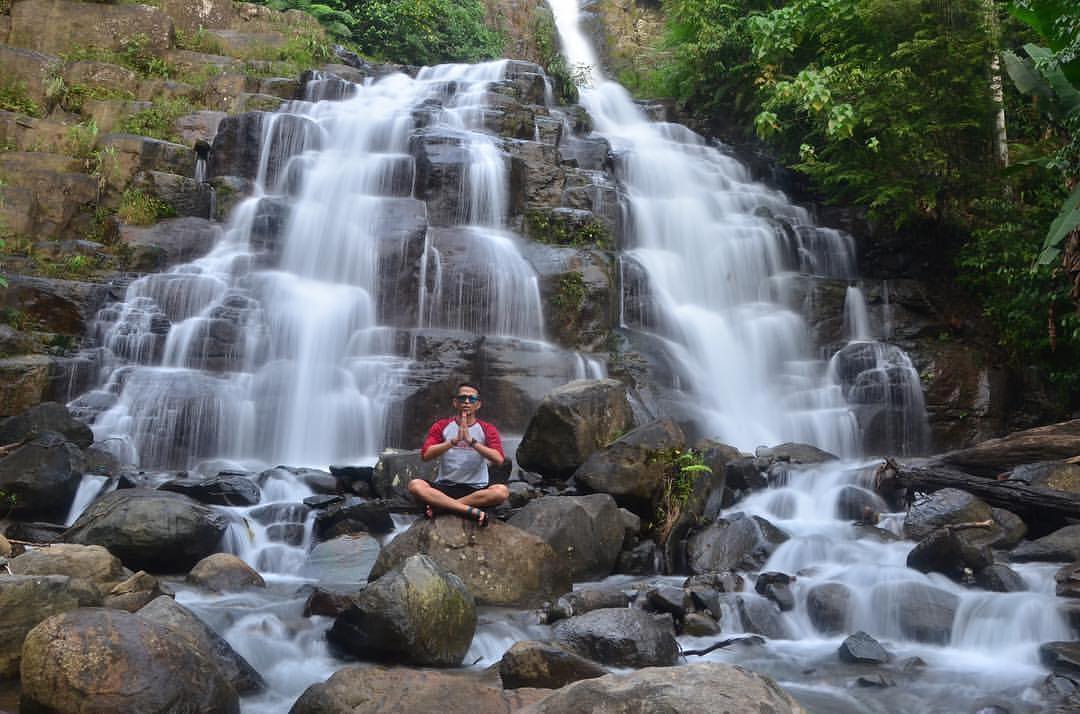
{"points": [[622, 637], [861, 648]]}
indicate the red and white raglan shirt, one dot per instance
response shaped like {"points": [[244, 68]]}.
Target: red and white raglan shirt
{"points": [[463, 464]]}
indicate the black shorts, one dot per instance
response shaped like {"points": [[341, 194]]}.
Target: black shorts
{"points": [[457, 490]]}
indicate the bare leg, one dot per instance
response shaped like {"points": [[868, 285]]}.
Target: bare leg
{"points": [[487, 497], [424, 492]]}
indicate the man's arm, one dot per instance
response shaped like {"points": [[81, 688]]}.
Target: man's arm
{"points": [[492, 448], [435, 445]]}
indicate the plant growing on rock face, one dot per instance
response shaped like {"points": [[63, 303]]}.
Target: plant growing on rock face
{"points": [[683, 470], [159, 121], [14, 98], [141, 209]]}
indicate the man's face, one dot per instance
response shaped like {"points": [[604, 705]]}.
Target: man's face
{"points": [[467, 400]]}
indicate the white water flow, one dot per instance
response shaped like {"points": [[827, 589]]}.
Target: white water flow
{"points": [[279, 346], [706, 239], [714, 248]]}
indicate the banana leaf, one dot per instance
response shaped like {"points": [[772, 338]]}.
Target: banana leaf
{"points": [[1066, 222]]}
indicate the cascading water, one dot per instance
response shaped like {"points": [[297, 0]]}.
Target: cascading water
{"points": [[712, 248], [705, 252], [280, 348]]}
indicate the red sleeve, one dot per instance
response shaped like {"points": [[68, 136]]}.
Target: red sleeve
{"points": [[491, 437], [435, 435]]}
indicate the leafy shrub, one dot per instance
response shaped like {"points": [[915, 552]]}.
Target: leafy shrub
{"points": [[159, 121], [425, 32], [141, 209]]}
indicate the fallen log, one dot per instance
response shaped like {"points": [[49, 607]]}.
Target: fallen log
{"points": [[1041, 508], [747, 639]]}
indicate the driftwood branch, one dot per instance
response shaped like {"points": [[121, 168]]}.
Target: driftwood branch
{"points": [[1032, 503], [8, 448], [751, 639]]}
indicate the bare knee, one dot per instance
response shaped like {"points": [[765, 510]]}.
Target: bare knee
{"points": [[499, 492], [418, 486]]}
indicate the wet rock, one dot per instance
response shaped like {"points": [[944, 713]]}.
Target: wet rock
{"points": [[1068, 580], [120, 662], [924, 613], [1061, 545], [586, 531], [665, 598], [698, 624], [743, 474], [416, 613], [638, 560], [328, 600], [225, 489], [223, 572], [736, 542], [1061, 657], [776, 587], [375, 690], [48, 416], [945, 551], [633, 467], [794, 453], [42, 476], [855, 504], [621, 637], [395, 469], [346, 559], [861, 648], [150, 530], [353, 515], [1000, 578], [170, 242], [500, 564], [200, 637], [828, 606], [544, 665], [689, 688], [946, 507], [26, 600], [571, 423], [760, 616], [134, 593], [579, 602]]}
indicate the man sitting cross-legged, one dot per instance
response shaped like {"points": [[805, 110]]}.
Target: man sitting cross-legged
{"points": [[465, 445]]}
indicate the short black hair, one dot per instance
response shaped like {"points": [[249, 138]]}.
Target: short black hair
{"points": [[470, 385]]}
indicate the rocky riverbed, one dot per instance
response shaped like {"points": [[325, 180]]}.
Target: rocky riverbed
{"points": [[251, 589]]}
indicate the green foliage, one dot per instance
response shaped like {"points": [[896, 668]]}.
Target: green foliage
{"points": [[81, 139], [134, 53], [141, 209], [545, 227], [14, 98], [424, 32], [159, 121], [199, 41], [683, 470]]}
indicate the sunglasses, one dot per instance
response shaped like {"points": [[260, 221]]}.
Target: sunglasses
{"points": [[467, 398]]}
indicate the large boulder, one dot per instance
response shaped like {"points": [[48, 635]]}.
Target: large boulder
{"points": [[946, 507], [157, 531], [225, 489], [735, 542], [223, 572], [945, 551], [544, 665], [499, 564], [829, 607], [48, 416], [587, 531], [415, 614], [633, 467], [621, 637], [1063, 545], [26, 600], [199, 636], [923, 613], [395, 469], [376, 690], [700, 687], [571, 423], [89, 562], [107, 660], [353, 515], [42, 476]]}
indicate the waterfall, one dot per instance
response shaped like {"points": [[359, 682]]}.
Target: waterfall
{"points": [[706, 248], [283, 344]]}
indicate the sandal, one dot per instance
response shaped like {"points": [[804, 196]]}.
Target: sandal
{"points": [[429, 513], [478, 515]]}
